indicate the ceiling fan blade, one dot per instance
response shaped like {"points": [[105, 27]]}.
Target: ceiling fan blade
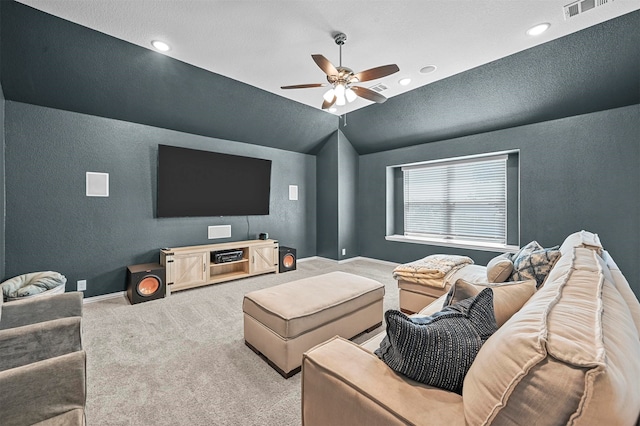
{"points": [[369, 94], [327, 105], [325, 65], [373, 73], [304, 86]]}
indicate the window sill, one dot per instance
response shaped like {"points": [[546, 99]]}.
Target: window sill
{"points": [[472, 245]]}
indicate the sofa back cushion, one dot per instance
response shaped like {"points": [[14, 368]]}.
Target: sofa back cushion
{"points": [[508, 297], [569, 356], [622, 285], [583, 239]]}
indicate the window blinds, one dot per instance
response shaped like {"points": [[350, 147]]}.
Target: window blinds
{"points": [[458, 200]]}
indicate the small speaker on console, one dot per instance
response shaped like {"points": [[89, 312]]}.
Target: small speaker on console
{"points": [[145, 282], [287, 256]]}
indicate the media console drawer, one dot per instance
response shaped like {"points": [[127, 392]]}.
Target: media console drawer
{"points": [[195, 266]]}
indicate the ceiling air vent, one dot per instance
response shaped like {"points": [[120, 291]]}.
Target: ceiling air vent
{"points": [[379, 87], [581, 6]]}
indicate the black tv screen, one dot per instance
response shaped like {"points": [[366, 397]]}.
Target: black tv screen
{"points": [[202, 183]]}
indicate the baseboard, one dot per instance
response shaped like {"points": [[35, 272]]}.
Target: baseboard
{"points": [[305, 259], [351, 259], [102, 297], [369, 259], [382, 262]]}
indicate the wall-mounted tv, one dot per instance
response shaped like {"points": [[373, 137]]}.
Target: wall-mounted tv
{"points": [[203, 183]]}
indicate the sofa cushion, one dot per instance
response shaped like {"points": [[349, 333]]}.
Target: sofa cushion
{"points": [[508, 297], [499, 268], [622, 285], [438, 350], [583, 239], [569, 356], [534, 264]]}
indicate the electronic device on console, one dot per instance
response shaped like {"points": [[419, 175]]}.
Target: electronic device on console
{"points": [[225, 256]]}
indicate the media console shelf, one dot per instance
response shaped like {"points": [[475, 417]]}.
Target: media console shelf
{"points": [[195, 266]]}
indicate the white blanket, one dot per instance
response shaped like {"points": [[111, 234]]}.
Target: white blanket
{"points": [[430, 270]]}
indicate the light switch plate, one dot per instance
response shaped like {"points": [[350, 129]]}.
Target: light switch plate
{"points": [[293, 192]]}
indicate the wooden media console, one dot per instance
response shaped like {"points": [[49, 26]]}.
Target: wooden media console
{"points": [[195, 266]]}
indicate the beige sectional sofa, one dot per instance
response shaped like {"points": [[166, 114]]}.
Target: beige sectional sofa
{"points": [[570, 355]]}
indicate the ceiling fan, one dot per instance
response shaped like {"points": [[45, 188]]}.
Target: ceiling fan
{"points": [[342, 80]]}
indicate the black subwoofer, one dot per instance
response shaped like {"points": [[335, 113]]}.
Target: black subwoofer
{"points": [[145, 282], [287, 259]]}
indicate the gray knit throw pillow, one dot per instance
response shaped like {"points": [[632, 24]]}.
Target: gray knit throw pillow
{"points": [[438, 350]]}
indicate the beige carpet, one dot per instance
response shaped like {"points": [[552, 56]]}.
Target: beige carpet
{"points": [[182, 360]]}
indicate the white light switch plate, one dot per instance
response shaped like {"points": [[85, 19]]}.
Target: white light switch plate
{"points": [[293, 192], [82, 285]]}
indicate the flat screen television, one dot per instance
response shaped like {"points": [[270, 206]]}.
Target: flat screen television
{"points": [[203, 183]]}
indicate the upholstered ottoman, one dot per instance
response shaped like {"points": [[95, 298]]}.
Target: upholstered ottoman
{"points": [[282, 322]]}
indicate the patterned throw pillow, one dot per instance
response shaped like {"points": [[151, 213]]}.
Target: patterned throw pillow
{"points": [[526, 251], [535, 265], [438, 350]]}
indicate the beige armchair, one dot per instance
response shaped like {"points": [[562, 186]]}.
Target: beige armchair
{"points": [[42, 363]]}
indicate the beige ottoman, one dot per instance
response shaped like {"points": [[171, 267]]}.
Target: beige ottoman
{"points": [[282, 322]]}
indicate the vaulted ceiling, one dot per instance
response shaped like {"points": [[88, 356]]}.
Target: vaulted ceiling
{"points": [[484, 80]]}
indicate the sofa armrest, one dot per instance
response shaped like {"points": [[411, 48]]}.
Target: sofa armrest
{"points": [[39, 309], [43, 390], [36, 342], [344, 384]]}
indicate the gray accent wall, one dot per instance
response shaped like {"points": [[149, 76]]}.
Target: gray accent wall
{"points": [[591, 70], [59, 64], [327, 192], [52, 225], [337, 177], [2, 185], [575, 173], [347, 198]]}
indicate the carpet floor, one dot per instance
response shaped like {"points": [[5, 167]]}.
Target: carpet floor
{"points": [[182, 360]]}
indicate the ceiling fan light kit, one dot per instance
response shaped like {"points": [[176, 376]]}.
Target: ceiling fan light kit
{"points": [[342, 80]]}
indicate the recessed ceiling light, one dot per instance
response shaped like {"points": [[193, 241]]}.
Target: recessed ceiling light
{"points": [[428, 69], [160, 45], [404, 81], [538, 29]]}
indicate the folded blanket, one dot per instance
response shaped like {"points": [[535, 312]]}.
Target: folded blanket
{"points": [[430, 268]]}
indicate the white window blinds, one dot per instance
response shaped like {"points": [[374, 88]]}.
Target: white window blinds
{"points": [[458, 200]]}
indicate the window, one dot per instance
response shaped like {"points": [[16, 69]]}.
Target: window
{"points": [[468, 201], [463, 200]]}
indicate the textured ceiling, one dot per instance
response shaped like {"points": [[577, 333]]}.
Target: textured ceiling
{"points": [[267, 44]]}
